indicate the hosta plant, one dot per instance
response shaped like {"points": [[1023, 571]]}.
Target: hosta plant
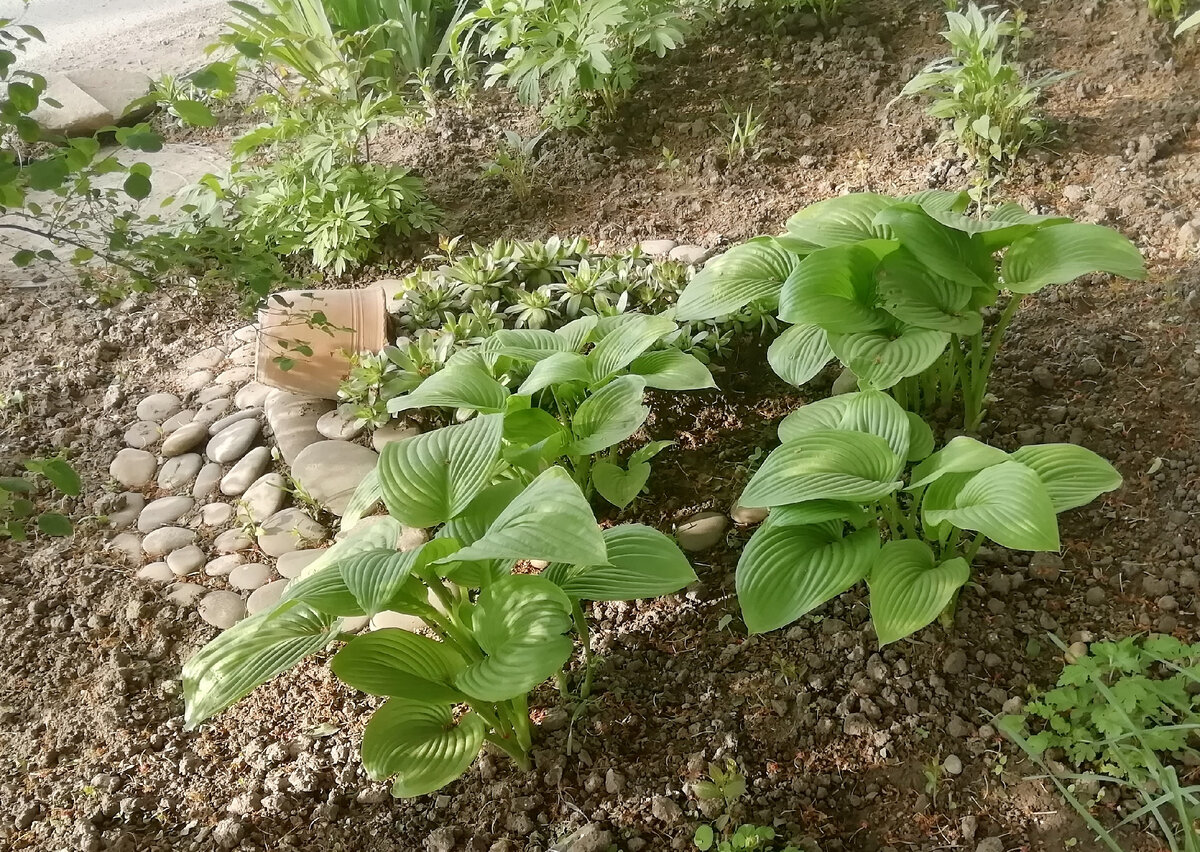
{"points": [[493, 631], [909, 294], [843, 510], [568, 395]]}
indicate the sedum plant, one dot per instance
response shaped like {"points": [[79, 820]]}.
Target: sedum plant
{"points": [[493, 631], [901, 291], [843, 511]]}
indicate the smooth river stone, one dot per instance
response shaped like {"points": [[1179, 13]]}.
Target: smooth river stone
{"points": [[293, 419], [196, 381], [330, 471], [389, 433], [249, 576], [158, 407], [158, 573], [243, 356], [235, 376], [163, 512], [291, 565], [216, 514], [266, 597], [701, 531], [253, 395], [263, 499], [245, 334], [185, 439], [128, 545], [213, 411], [213, 392], [222, 565], [229, 419], [337, 427], [232, 541], [243, 474], [222, 609], [205, 359], [287, 530], [178, 473], [142, 434], [165, 539], [185, 594], [172, 424], [231, 444], [207, 480], [186, 560], [125, 509], [133, 468]]}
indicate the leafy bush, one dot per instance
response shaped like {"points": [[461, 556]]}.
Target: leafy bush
{"points": [[493, 635], [835, 487], [564, 52], [989, 102], [17, 494], [897, 289]]}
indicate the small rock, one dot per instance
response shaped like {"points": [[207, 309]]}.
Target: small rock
{"points": [[231, 444], [184, 439], [228, 420], [1091, 366], [232, 541], [266, 596], [337, 427], [590, 838], [185, 560], [291, 565], [1095, 596], [741, 515], [133, 468], [185, 594], [124, 509], [142, 434], [1076, 651], [293, 418], [990, 844], [330, 471], [222, 609], [263, 499], [249, 576], [235, 376], [689, 254], [1046, 566], [389, 433], [165, 539], [196, 381], [665, 810], [253, 395], [178, 473], [173, 423], [158, 407], [248, 469], [222, 565], [657, 247], [129, 545], [228, 833], [955, 662], [213, 392], [205, 359], [206, 481], [245, 334], [164, 511], [1075, 193], [701, 531], [213, 411], [440, 840], [288, 530], [157, 572], [396, 620], [216, 514], [953, 764]]}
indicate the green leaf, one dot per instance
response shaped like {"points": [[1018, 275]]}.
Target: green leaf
{"points": [[140, 138], [249, 654], [519, 622], [834, 288], [617, 349], [799, 353], [461, 386], [138, 186], [1005, 224], [420, 744], [577, 333], [670, 369], [961, 455], [524, 344], [786, 571], [823, 465], [920, 438], [52, 523], [216, 76], [557, 369], [23, 258], [947, 253], [533, 437], [47, 174], [915, 295], [872, 412], [549, 520], [15, 485], [382, 532], [377, 578], [617, 485], [643, 563], [842, 220], [368, 493], [472, 525], [61, 475], [817, 512], [881, 359], [400, 664], [703, 838], [908, 591], [752, 272], [1007, 503], [609, 416], [194, 113], [1062, 253], [22, 96], [1073, 476], [649, 451], [430, 478]]}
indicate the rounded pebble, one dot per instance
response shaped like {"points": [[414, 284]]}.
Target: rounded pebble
{"points": [[263, 499], [235, 376], [158, 407], [266, 597], [216, 514], [249, 576], [133, 468], [196, 381], [222, 609], [229, 419], [213, 392], [186, 560], [205, 359], [171, 424], [213, 410], [701, 531], [178, 473], [142, 434], [222, 565], [287, 530], [163, 511], [291, 565], [337, 427], [389, 433], [184, 594], [156, 572], [243, 474], [165, 539], [253, 395], [184, 439], [232, 541], [207, 480], [231, 444]]}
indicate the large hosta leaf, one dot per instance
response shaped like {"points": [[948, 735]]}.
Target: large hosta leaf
{"points": [[908, 591], [872, 412], [470, 526], [911, 292], [368, 493], [401, 664], [816, 416], [1062, 253], [786, 571], [842, 220], [1006, 502], [1006, 224], [379, 579], [818, 512], [617, 349], [420, 744], [519, 622], [946, 252], [619, 485], [920, 437], [524, 344], [799, 353], [556, 369], [830, 465], [1073, 476], [577, 332], [249, 654], [643, 563], [549, 520], [752, 272], [961, 455], [882, 359], [609, 416], [834, 288], [464, 386], [939, 200], [430, 478], [670, 369]]}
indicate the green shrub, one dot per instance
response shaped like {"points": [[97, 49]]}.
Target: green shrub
{"points": [[896, 288], [18, 508]]}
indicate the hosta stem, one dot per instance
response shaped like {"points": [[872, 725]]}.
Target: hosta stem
{"points": [[975, 379], [510, 747], [581, 627]]}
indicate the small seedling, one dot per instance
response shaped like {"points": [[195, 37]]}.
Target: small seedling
{"points": [[516, 161], [743, 133]]}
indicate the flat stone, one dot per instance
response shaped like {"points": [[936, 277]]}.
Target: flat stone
{"points": [[182, 418], [293, 419], [185, 439], [222, 565], [197, 381], [741, 515], [165, 539], [701, 531], [207, 481], [228, 420], [266, 597], [213, 410], [292, 565], [115, 89], [222, 609], [216, 514], [213, 392], [235, 376], [287, 530], [396, 620], [158, 407], [156, 572], [396, 430], [232, 541], [128, 545], [330, 471], [133, 468], [243, 356], [245, 334], [253, 395], [355, 624], [125, 509], [142, 434], [178, 473], [205, 359], [186, 560], [691, 255], [659, 248], [231, 444], [78, 113], [263, 499], [184, 594], [243, 474], [249, 576], [163, 512], [337, 427]]}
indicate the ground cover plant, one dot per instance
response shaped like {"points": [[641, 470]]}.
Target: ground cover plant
{"points": [[896, 289], [19, 512]]}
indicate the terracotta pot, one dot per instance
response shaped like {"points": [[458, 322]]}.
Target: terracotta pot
{"points": [[355, 321]]}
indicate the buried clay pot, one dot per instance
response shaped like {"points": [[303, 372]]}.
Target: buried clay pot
{"points": [[356, 321]]}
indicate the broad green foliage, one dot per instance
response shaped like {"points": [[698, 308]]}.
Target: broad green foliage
{"points": [[18, 499], [841, 512], [562, 53], [565, 395], [491, 635], [744, 837], [896, 289], [989, 102]]}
